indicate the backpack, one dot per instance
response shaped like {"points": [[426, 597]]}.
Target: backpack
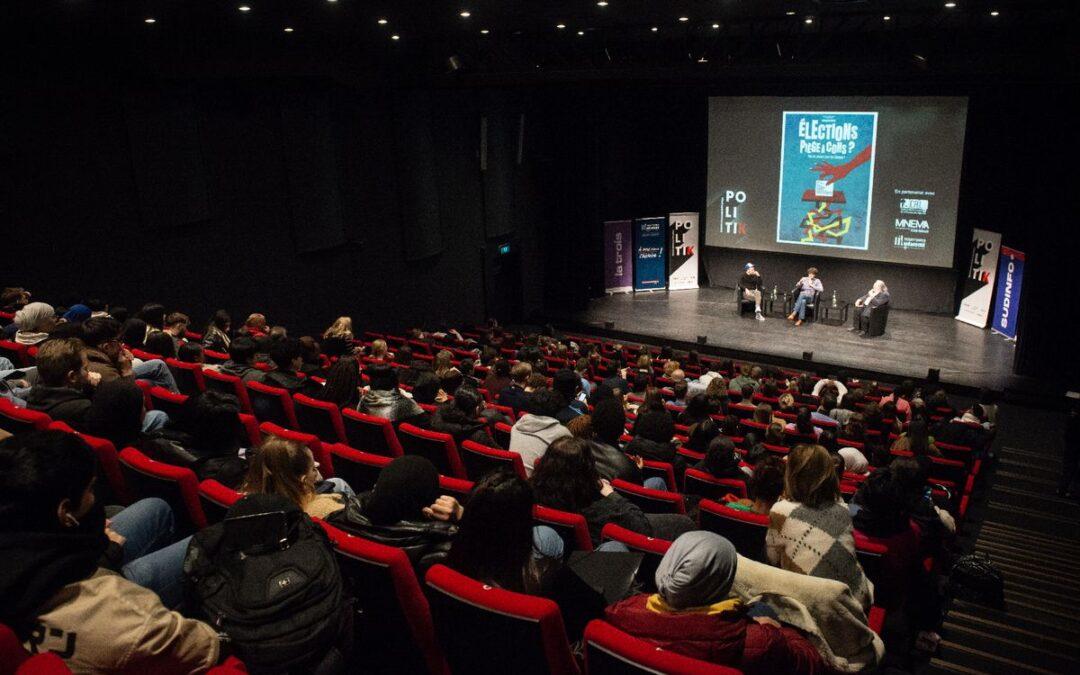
{"points": [[974, 579], [267, 579]]}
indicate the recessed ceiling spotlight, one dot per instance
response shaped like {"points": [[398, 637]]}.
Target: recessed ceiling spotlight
{"points": [[790, 12], [808, 20], [560, 26], [465, 14], [602, 3], [703, 60], [994, 12], [581, 32], [484, 31], [149, 19], [383, 22], [684, 19], [395, 36], [950, 5], [244, 8], [716, 25], [654, 29], [886, 18], [288, 29]]}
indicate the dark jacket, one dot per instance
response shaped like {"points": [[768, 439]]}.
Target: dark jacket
{"points": [[449, 419], [63, 404], [514, 397], [495, 385], [646, 449], [392, 405], [615, 509], [426, 542], [612, 463], [291, 383], [750, 282], [245, 372], [574, 409]]}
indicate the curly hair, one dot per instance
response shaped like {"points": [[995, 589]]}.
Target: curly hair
{"points": [[566, 476]]}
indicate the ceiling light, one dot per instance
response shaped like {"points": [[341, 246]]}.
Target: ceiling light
{"points": [[581, 32], [465, 14], [994, 12], [150, 19], [560, 26], [602, 3], [654, 29], [383, 22], [703, 60], [886, 18], [808, 20], [395, 36], [950, 5], [716, 25], [684, 19], [244, 8], [790, 12], [288, 29], [484, 31]]}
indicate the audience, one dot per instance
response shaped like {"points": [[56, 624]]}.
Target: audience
{"points": [[241, 363], [461, 418], [538, 428], [63, 387], [384, 399], [217, 335], [109, 359], [513, 395], [287, 359], [337, 339]]}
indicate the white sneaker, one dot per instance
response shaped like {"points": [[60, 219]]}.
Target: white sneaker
{"points": [[758, 316]]}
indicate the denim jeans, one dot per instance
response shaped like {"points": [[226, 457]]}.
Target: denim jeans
{"points": [[547, 543], [655, 483], [157, 372], [151, 559], [154, 420], [337, 485], [800, 306]]}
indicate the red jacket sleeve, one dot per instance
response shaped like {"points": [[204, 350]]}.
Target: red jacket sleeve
{"points": [[769, 649]]}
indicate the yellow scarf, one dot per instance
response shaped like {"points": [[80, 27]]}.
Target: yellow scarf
{"points": [[656, 604]]}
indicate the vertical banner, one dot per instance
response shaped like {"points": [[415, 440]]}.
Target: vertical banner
{"points": [[683, 251], [650, 235], [1007, 303], [978, 293], [618, 263]]}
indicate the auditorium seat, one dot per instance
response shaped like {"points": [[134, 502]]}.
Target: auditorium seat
{"points": [[16, 660], [318, 451], [188, 376], [703, 484], [479, 460], [176, 485], [216, 500], [879, 319], [501, 434], [610, 651], [251, 437], [572, 527], [169, 403], [212, 357], [393, 631], [745, 530], [479, 626], [651, 468], [370, 433], [459, 488], [109, 462], [272, 404], [228, 384], [437, 447], [652, 548], [357, 468], [16, 420], [15, 352], [321, 418], [650, 501]]}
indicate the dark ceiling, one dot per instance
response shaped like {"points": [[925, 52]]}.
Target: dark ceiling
{"points": [[522, 42]]}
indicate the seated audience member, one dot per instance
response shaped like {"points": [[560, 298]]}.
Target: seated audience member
{"points": [[822, 416], [831, 382], [119, 414], [108, 358], [133, 332], [763, 414], [153, 313], [461, 418], [988, 401], [902, 398], [582, 367], [380, 352], [697, 410], [716, 392], [693, 614], [535, 381], [12, 299], [241, 363], [443, 362], [176, 325], [450, 380], [63, 382], [854, 429], [701, 435], [161, 344], [343, 382], [608, 425], [191, 352], [498, 378], [810, 529], [721, 460], [803, 424], [535, 431], [467, 369], [311, 359], [76, 314], [968, 429], [287, 359], [743, 379], [653, 434], [255, 326], [844, 411], [384, 399], [785, 403], [679, 391], [213, 424], [216, 336], [766, 483], [337, 339], [567, 383], [427, 388], [917, 440], [854, 461], [35, 321], [891, 497], [52, 538]]}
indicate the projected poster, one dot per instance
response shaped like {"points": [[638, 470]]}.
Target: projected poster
{"points": [[826, 179]]}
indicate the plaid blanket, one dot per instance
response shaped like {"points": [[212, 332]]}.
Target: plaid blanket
{"points": [[818, 543]]}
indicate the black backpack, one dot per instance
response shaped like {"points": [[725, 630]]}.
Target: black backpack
{"points": [[267, 579], [974, 579]]}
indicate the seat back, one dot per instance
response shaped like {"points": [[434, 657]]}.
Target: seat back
{"points": [[176, 485], [171, 404], [650, 501], [228, 384], [321, 418], [359, 469], [523, 634], [393, 631], [652, 548], [745, 530], [109, 462], [572, 527], [501, 434], [697, 482], [214, 357], [188, 376], [272, 404], [371, 434], [216, 499], [318, 451], [610, 651], [16, 420], [15, 352], [479, 460], [651, 468], [437, 447], [458, 488], [879, 318]]}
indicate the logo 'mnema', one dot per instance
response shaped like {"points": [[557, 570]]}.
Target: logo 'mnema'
{"points": [[912, 225]]}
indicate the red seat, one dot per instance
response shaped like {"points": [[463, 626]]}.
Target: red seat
{"points": [[458, 488], [214, 357], [394, 633], [652, 548], [250, 427], [697, 482], [216, 499], [272, 404], [501, 434], [318, 451], [480, 460], [437, 447], [321, 418], [572, 527], [16, 420], [15, 352], [520, 633], [656, 469], [176, 485], [228, 384], [371, 434], [188, 376], [745, 530], [171, 404], [610, 651], [109, 461], [359, 469], [15, 660], [650, 501]]}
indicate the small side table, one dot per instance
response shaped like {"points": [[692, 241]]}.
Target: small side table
{"points": [[833, 316]]}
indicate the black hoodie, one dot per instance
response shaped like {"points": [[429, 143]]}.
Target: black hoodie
{"points": [[63, 404]]}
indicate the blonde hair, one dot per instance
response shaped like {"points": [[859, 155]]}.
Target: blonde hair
{"points": [[341, 328], [670, 367], [379, 349], [280, 467], [786, 401], [256, 320], [810, 477]]}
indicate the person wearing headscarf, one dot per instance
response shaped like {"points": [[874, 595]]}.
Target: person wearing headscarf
{"points": [[694, 614], [877, 296], [35, 321], [77, 314], [404, 510]]}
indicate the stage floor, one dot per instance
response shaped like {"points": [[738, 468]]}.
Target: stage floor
{"points": [[912, 343]]}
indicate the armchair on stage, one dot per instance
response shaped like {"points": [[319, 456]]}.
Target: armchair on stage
{"points": [[745, 306], [811, 304], [874, 325]]}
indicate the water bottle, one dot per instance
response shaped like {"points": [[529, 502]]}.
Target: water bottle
{"points": [[834, 299], [774, 292]]}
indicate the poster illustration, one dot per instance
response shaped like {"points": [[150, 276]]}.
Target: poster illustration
{"points": [[826, 179]]}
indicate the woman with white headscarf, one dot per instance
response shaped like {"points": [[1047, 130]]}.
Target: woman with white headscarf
{"points": [[34, 321], [694, 614], [877, 296]]}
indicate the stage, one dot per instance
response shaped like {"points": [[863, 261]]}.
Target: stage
{"points": [[913, 341]]}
